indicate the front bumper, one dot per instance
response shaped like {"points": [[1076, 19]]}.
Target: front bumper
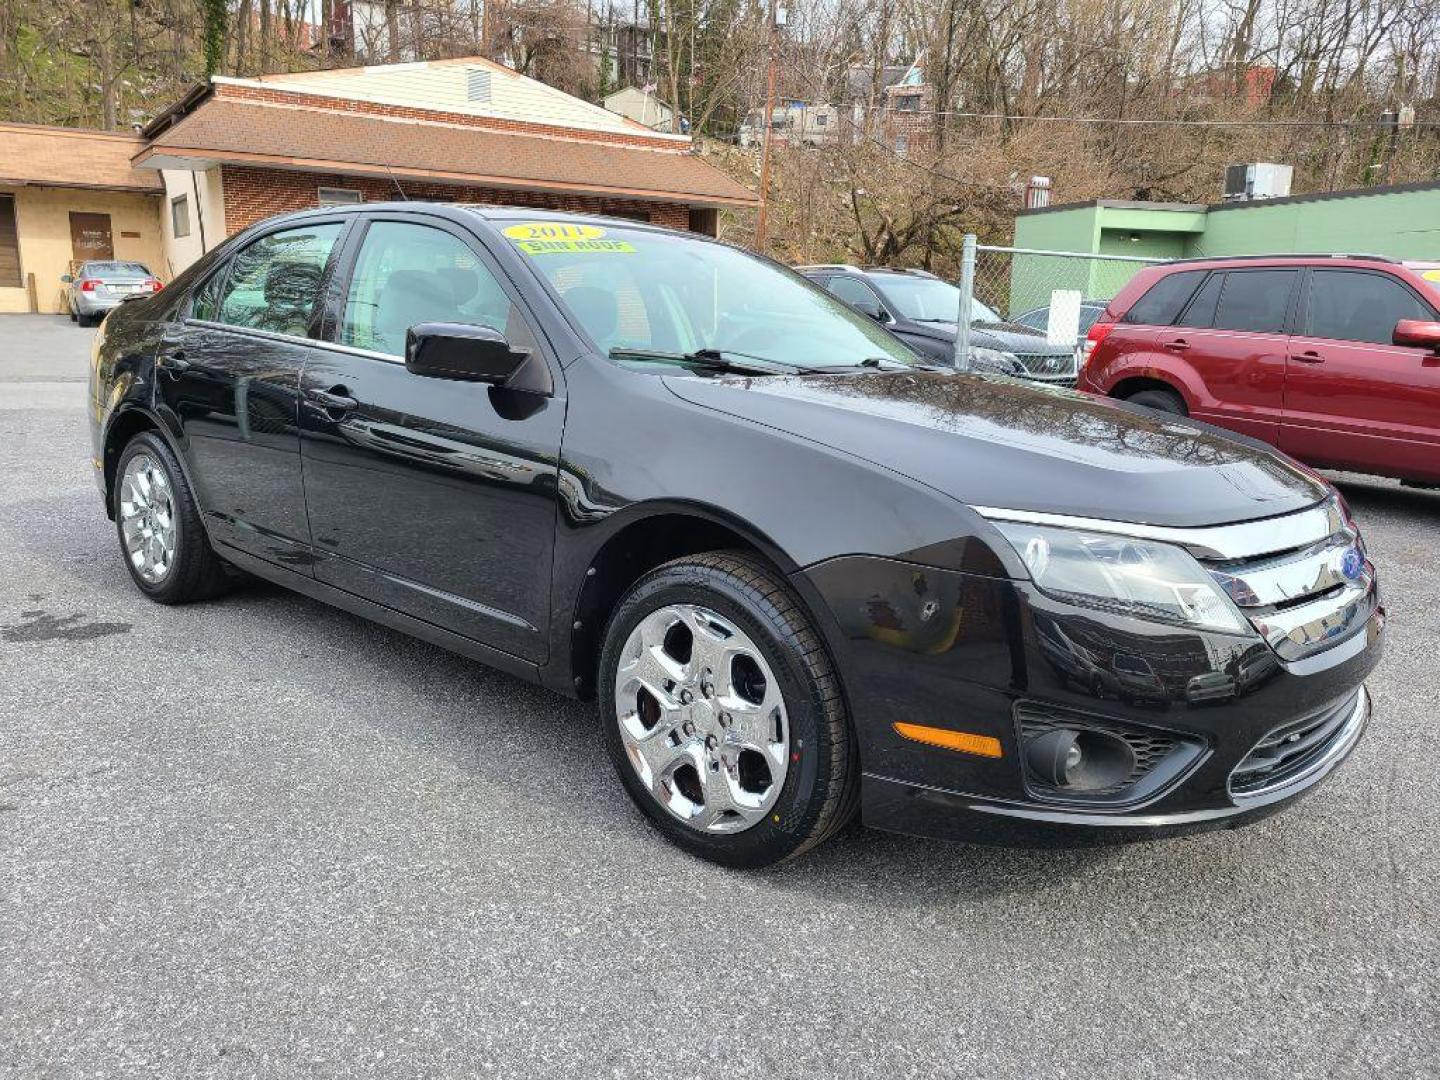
{"points": [[977, 654], [897, 806]]}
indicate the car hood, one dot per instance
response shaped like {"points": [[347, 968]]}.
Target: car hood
{"points": [[1011, 337], [991, 441]]}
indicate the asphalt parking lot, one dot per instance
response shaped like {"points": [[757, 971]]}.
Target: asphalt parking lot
{"points": [[263, 838]]}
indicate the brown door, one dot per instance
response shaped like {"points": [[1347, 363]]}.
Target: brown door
{"points": [[90, 237]]}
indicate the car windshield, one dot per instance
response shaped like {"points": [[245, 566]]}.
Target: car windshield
{"points": [[930, 300], [1429, 273], [649, 297], [116, 270]]}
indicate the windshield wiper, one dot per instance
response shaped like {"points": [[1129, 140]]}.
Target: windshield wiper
{"points": [[711, 360], [870, 363]]}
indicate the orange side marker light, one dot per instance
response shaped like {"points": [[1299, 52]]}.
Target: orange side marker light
{"points": [[965, 742]]}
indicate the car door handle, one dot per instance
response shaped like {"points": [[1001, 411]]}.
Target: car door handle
{"points": [[1309, 356], [335, 400], [1179, 344]]}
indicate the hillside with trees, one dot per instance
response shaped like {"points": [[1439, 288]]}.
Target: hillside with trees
{"points": [[1129, 99]]}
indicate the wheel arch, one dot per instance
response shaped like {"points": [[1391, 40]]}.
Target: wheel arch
{"points": [[123, 426], [1129, 385], [649, 535]]}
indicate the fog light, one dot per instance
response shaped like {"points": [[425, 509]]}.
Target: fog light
{"points": [[1079, 760]]}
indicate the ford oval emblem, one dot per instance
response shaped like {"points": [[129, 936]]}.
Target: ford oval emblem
{"points": [[1352, 563]]}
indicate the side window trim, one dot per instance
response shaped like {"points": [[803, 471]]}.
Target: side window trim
{"points": [[347, 253]]}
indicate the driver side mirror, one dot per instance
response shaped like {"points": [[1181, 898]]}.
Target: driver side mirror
{"points": [[468, 353], [1418, 333], [67, 278]]}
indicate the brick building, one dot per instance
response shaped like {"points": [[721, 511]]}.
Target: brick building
{"points": [[234, 151]]}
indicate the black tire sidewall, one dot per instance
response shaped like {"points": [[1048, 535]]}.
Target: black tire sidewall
{"points": [[793, 819], [1166, 401], [173, 584]]}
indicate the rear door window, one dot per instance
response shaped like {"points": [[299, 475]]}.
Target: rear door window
{"points": [[1200, 312], [1162, 303], [1254, 300], [205, 304], [274, 282], [1355, 305]]}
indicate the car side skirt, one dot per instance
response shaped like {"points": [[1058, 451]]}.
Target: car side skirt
{"points": [[366, 609]]}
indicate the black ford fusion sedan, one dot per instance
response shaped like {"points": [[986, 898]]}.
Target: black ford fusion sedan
{"points": [[801, 571]]}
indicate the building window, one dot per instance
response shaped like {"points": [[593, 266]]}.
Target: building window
{"points": [[338, 196], [821, 120], [180, 216], [9, 244]]}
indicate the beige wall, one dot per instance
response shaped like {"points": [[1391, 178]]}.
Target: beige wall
{"points": [[180, 252], [42, 218]]}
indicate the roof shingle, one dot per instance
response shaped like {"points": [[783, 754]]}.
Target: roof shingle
{"points": [[241, 132]]}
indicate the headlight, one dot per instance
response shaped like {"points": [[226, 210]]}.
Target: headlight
{"points": [[995, 360], [1143, 578]]}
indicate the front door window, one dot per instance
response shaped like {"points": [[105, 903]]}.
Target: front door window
{"points": [[408, 274]]}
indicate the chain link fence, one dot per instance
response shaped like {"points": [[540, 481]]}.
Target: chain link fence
{"points": [[1035, 307]]}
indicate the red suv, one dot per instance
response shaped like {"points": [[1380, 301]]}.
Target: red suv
{"points": [[1334, 359]]}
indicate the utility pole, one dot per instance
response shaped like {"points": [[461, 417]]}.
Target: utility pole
{"points": [[761, 222]]}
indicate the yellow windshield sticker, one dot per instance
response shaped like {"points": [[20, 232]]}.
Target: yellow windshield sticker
{"points": [[546, 247], [545, 237], [553, 230]]}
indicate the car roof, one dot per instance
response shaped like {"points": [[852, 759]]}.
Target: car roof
{"points": [[494, 214], [865, 271], [1279, 259]]}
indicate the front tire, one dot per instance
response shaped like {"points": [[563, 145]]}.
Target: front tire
{"points": [[722, 712], [158, 524]]}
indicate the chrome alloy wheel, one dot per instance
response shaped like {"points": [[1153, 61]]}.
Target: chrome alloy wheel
{"points": [[147, 518], [702, 719]]}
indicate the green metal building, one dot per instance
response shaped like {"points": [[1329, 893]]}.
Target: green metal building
{"points": [[1401, 221]]}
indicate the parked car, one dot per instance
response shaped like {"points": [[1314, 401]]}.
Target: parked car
{"points": [[920, 309], [800, 570], [1334, 359], [1039, 318], [99, 286]]}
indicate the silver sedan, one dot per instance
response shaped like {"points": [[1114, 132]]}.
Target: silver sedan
{"points": [[98, 286]]}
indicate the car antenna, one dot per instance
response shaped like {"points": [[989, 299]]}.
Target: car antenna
{"points": [[401, 190]]}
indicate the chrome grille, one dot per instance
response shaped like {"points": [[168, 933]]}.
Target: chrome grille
{"points": [[1305, 597], [1049, 367]]}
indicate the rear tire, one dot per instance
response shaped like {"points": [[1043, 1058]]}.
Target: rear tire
{"points": [[730, 652], [157, 521], [1161, 401]]}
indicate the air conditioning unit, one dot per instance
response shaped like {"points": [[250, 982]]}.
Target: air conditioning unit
{"points": [[1257, 180]]}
